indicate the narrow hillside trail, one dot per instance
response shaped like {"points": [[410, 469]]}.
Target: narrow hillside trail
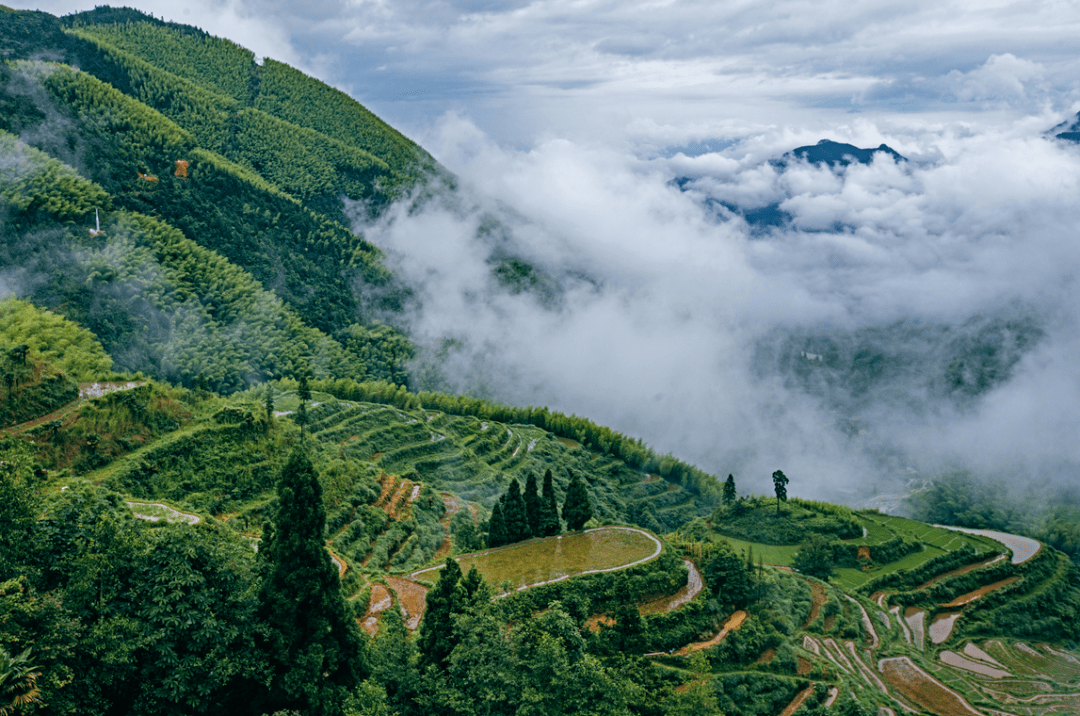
{"points": [[1023, 548], [87, 392], [341, 564], [798, 701], [734, 622], [693, 587]]}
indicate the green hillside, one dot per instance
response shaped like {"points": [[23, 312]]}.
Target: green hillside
{"points": [[218, 494]]}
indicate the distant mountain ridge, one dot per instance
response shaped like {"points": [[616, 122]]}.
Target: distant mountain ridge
{"points": [[833, 153]]}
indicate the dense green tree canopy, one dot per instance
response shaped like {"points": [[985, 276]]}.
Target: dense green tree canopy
{"points": [[314, 647]]}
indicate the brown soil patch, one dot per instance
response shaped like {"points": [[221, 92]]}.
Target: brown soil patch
{"points": [[961, 570], [226, 516], [766, 657], [567, 442], [919, 687], [797, 701], [376, 456], [864, 552], [981, 592], [734, 622], [387, 482], [803, 667], [829, 621], [450, 502], [819, 597], [412, 597], [395, 502], [878, 598], [443, 551], [380, 599], [598, 621]]}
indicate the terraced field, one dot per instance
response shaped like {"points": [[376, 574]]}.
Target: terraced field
{"points": [[474, 460], [553, 559]]}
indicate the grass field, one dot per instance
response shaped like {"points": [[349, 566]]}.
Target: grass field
{"points": [[538, 561]]}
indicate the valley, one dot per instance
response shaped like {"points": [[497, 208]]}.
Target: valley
{"points": [[225, 490]]}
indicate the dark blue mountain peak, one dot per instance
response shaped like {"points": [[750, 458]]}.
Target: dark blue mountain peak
{"points": [[837, 153]]}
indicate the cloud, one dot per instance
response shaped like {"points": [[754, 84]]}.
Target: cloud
{"points": [[668, 312]]}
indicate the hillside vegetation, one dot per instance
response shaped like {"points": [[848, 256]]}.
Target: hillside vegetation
{"points": [[218, 494]]}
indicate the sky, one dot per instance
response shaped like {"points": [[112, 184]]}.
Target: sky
{"points": [[618, 147]]}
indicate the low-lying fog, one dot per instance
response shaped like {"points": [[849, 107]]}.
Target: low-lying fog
{"points": [[878, 321]]}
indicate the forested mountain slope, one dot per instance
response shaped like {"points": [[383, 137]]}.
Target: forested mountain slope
{"points": [[218, 495]]}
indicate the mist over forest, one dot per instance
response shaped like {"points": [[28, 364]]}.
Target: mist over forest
{"points": [[857, 326]]}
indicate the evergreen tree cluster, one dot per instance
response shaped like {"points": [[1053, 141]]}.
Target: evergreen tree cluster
{"points": [[520, 516]]}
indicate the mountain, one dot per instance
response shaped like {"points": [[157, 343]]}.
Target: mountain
{"points": [[834, 154], [193, 338]]}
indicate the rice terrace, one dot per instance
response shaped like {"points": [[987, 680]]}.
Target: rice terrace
{"points": [[530, 564], [245, 467]]}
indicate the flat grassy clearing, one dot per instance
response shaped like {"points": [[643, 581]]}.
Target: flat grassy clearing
{"points": [[545, 560], [768, 553]]}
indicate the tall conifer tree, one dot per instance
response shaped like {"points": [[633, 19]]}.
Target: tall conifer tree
{"points": [[576, 508], [549, 509], [446, 598], [313, 646], [497, 526], [517, 524], [532, 506], [729, 494]]}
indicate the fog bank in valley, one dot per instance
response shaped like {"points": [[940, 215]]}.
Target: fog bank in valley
{"points": [[898, 319]]}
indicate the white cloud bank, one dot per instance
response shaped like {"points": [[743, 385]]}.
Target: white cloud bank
{"points": [[667, 305]]}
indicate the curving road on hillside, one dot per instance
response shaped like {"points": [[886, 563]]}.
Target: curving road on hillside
{"points": [[1023, 548]]}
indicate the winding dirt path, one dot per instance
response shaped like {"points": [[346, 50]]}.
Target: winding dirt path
{"points": [[798, 701], [734, 622], [694, 585], [87, 392]]}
